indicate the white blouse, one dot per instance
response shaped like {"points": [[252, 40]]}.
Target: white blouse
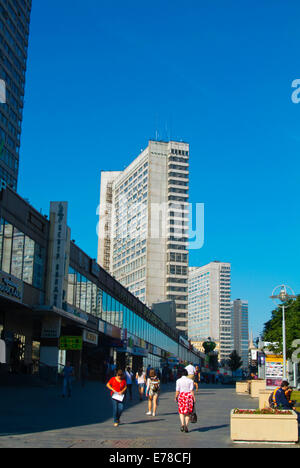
{"points": [[140, 378], [184, 385]]}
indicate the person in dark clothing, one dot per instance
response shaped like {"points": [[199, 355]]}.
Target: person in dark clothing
{"points": [[68, 374], [278, 399], [129, 378], [288, 394]]}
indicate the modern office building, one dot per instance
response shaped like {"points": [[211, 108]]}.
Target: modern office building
{"points": [[14, 34], [240, 329], [58, 304], [210, 306], [144, 223]]}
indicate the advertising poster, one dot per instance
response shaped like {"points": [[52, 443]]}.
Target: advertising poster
{"points": [[274, 371]]}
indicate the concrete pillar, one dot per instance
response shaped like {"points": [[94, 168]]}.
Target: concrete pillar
{"points": [[49, 357], [49, 348]]}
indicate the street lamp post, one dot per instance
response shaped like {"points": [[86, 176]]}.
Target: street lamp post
{"points": [[281, 295]]}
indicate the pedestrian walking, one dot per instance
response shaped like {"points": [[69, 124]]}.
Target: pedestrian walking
{"points": [[129, 377], [117, 386], [141, 381], [191, 371], [152, 392], [112, 368], [165, 373], [185, 398], [147, 371], [68, 374], [197, 378]]}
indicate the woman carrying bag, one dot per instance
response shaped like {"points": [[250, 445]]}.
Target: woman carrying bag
{"points": [[185, 398], [117, 386], [152, 392]]}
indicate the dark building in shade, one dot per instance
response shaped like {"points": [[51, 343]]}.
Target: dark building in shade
{"points": [[14, 34], [58, 304]]}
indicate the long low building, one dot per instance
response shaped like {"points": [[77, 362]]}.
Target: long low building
{"points": [[58, 304]]}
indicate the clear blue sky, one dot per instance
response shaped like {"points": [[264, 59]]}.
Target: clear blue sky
{"points": [[103, 76]]}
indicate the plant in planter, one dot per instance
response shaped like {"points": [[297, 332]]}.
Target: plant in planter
{"points": [[262, 411], [269, 425]]}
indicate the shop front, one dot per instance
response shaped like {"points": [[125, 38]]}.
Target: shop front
{"points": [[139, 356], [16, 327]]}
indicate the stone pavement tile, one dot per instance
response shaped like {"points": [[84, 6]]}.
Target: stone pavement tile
{"points": [[115, 444], [41, 418]]}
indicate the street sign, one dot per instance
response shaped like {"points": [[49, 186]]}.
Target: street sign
{"points": [[70, 343], [274, 370]]}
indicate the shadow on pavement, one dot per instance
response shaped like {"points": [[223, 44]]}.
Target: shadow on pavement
{"points": [[209, 428], [143, 421], [28, 410]]}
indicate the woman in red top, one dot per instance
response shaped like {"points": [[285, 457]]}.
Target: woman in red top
{"points": [[117, 386]]}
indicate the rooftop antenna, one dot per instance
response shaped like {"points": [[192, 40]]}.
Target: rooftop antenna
{"points": [[156, 127], [166, 130]]}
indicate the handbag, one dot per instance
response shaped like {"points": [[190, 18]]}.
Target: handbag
{"points": [[194, 417]]}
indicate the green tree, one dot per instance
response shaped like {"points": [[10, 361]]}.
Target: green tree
{"points": [[235, 361], [211, 357], [273, 328], [209, 346]]}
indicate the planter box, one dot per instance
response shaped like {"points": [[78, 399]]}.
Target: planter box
{"points": [[264, 428], [264, 398], [242, 388], [256, 386]]}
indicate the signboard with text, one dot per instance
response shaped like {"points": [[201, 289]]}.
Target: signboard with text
{"points": [[90, 337], [70, 343], [274, 371], [59, 251], [51, 327], [11, 287]]}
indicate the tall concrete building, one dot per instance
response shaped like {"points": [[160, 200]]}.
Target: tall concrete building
{"points": [[144, 223], [14, 34], [240, 329], [209, 306]]}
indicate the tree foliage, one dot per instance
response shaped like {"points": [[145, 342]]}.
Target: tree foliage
{"points": [[235, 361], [209, 346], [273, 328]]}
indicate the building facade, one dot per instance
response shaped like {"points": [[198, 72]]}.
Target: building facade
{"points": [[144, 223], [58, 304], [14, 34], [210, 306], [240, 329]]}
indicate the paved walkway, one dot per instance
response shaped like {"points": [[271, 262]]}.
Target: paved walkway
{"points": [[40, 417]]}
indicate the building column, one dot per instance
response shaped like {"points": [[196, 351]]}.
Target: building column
{"points": [[49, 348]]}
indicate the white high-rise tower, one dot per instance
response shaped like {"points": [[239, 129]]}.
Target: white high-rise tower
{"points": [[210, 306], [144, 223]]}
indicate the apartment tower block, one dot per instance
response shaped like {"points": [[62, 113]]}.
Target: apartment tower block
{"points": [[209, 307], [144, 223], [14, 34]]}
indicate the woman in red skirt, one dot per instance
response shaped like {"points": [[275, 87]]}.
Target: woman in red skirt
{"points": [[185, 398]]}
